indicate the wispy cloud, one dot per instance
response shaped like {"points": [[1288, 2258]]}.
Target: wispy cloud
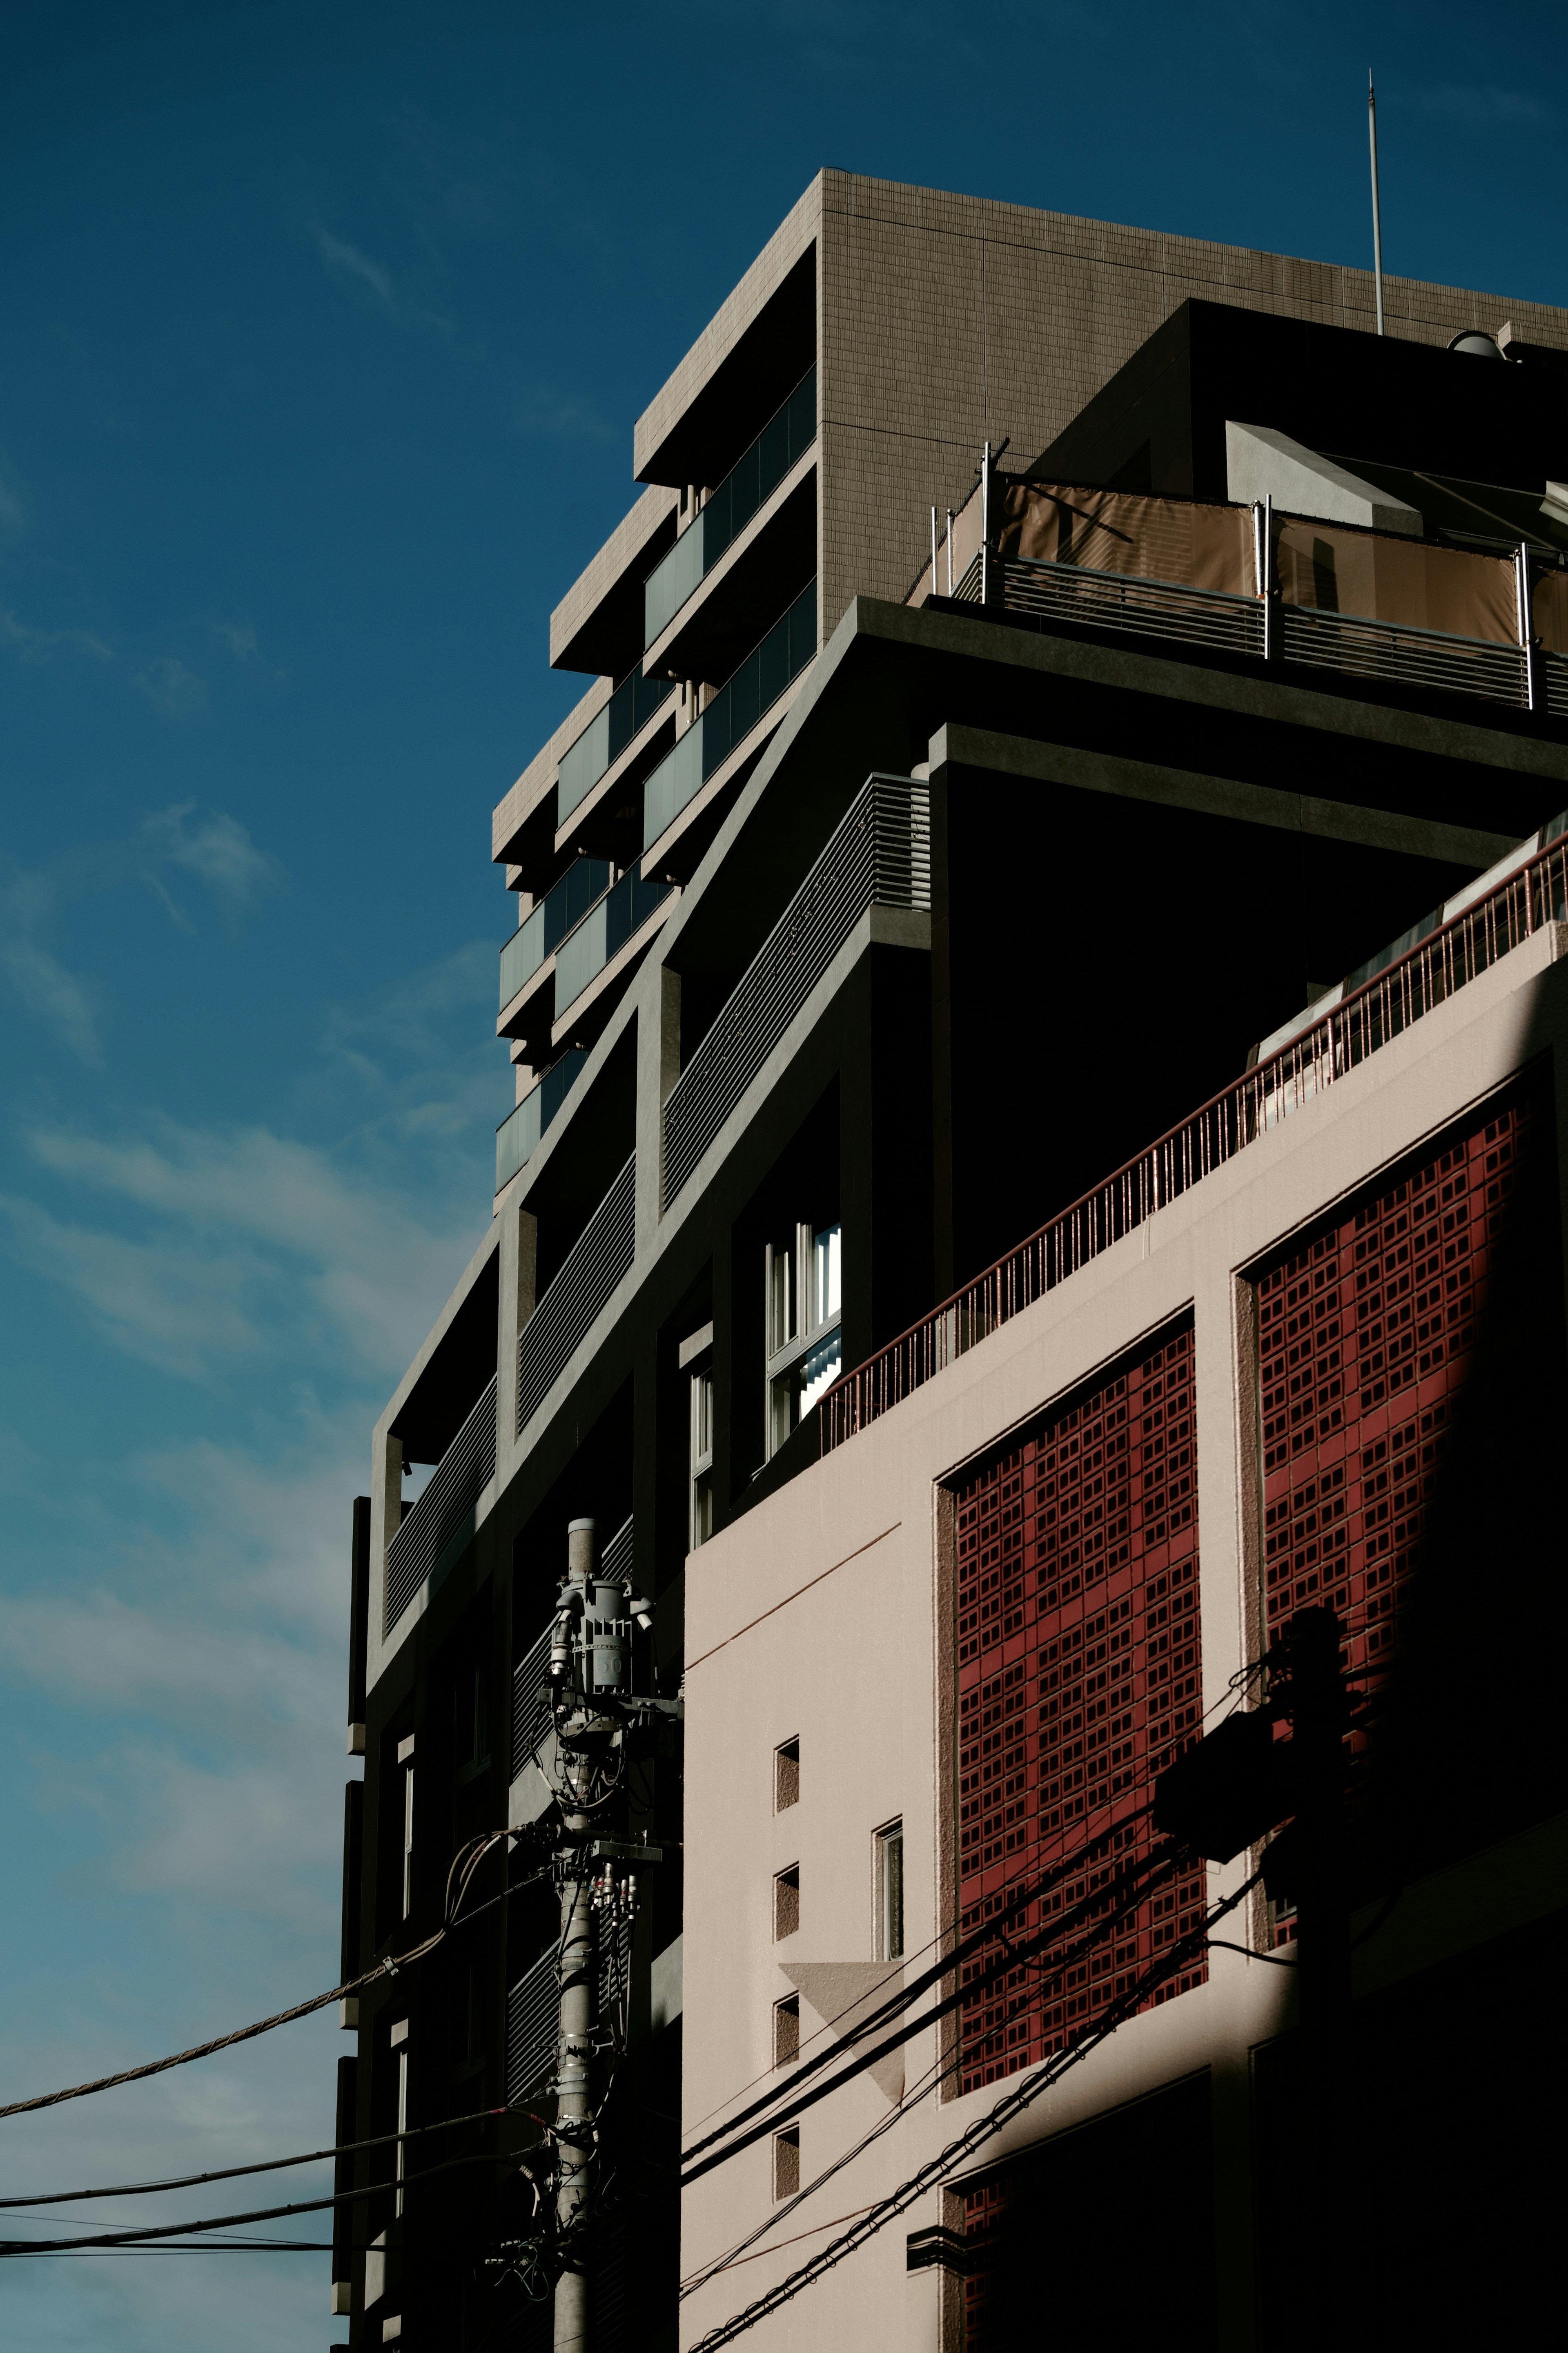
{"points": [[371, 282], [558, 415], [250, 1243], [38, 980], [35, 646], [217, 850], [172, 688], [169, 684]]}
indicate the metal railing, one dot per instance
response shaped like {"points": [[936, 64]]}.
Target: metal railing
{"points": [[1350, 643], [747, 487], [532, 2025], [600, 1255], [604, 933], [443, 1519], [1123, 600], [522, 1129], [531, 1690], [879, 855], [605, 737], [750, 691], [1364, 1020], [533, 2011], [1392, 649], [585, 880]]}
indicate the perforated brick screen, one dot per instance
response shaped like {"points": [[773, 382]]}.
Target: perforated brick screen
{"points": [[1080, 1676], [1366, 1338]]}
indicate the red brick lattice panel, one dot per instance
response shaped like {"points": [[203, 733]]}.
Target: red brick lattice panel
{"points": [[1365, 1339], [1080, 1676]]}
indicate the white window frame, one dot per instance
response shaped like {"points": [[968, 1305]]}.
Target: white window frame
{"points": [[811, 1320]]}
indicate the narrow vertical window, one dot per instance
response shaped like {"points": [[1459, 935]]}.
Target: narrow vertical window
{"points": [[786, 2162], [400, 2044], [786, 1776], [890, 1882], [787, 1903], [406, 1758], [701, 1456], [786, 2032]]}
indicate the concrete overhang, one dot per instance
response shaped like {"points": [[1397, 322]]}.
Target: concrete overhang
{"points": [[523, 826], [598, 623], [1261, 463], [754, 350]]}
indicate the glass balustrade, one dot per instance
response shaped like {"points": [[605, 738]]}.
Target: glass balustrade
{"points": [[605, 737], [730, 718], [585, 880], [518, 1136], [749, 482], [602, 932]]}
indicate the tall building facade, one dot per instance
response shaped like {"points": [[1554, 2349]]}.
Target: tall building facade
{"points": [[1046, 664]]}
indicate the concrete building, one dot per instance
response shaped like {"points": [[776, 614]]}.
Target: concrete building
{"points": [[1045, 659]]}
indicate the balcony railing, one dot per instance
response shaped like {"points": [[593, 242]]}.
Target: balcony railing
{"points": [[441, 1522], [749, 484], [1360, 1024], [878, 856], [605, 737], [1120, 600], [533, 2013], [603, 933], [519, 1135], [571, 1305], [753, 687], [544, 926], [1350, 643]]}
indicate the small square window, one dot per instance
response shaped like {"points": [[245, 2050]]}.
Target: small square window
{"points": [[787, 1903], [786, 2162], [786, 1776], [786, 2032]]}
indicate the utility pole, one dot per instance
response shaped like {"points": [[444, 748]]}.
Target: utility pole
{"points": [[590, 1666], [1376, 212], [1320, 1719]]}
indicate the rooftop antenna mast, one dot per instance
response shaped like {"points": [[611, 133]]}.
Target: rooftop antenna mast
{"points": [[1376, 217]]}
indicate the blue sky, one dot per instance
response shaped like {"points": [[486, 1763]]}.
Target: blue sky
{"points": [[322, 330]]}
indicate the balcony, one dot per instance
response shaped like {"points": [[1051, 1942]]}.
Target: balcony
{"points": [[593, 947], [880, 855], [746, 488], [541, 929], [434, 1532], [605, 737], [594, 1265], [765, 674], [518, 1136]]}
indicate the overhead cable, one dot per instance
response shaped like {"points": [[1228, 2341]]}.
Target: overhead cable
{"points": [[464, 1865], [937, 2168], [1131, 1887]]}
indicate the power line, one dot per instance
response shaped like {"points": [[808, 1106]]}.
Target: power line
{"points": [[985, 2128], [231, 2221], [267, 2165], [464, 1865], [1025, 1896], [1130, 1888]]}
